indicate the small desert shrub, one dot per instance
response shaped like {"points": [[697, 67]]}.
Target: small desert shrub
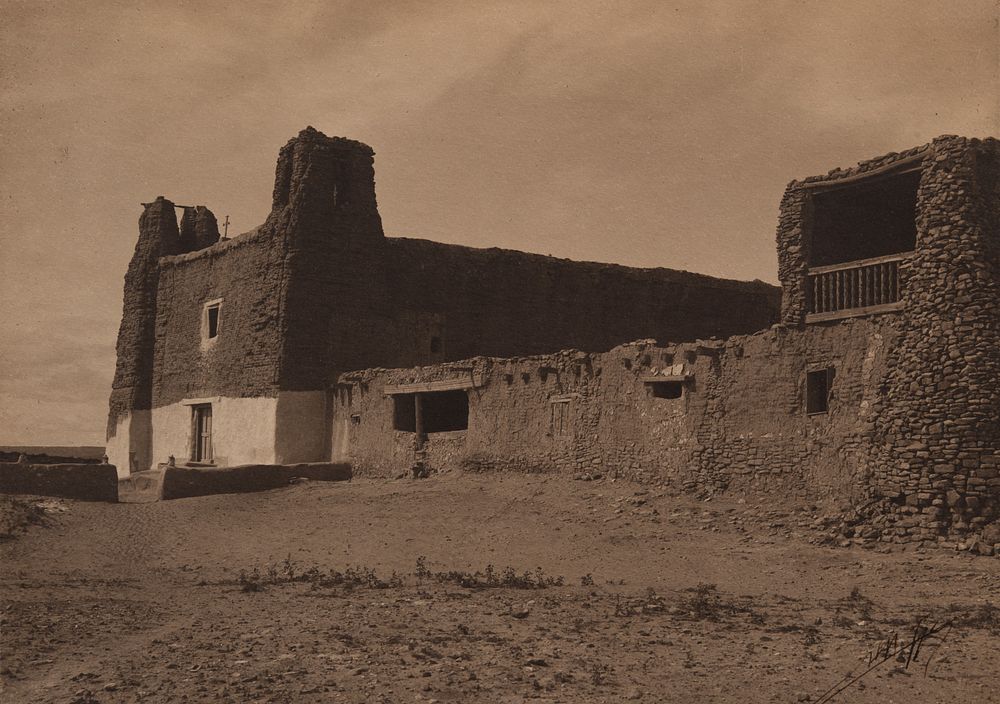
{"points": [[287, 572], [250, 581], [489, 578], [704, 603], [17, 514]]}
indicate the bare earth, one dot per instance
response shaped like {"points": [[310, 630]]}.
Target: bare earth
{"points": [[144, 602]]}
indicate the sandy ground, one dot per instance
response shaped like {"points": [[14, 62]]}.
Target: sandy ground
{"points": [[663, 599]]}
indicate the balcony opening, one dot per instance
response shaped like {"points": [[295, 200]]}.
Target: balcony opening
{"points": [[862, 232], [864, 219]]}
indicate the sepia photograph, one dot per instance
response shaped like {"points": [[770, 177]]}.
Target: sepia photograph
{"points": [[517, 351]]}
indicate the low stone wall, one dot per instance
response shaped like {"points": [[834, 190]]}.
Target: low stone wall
{"points": [[86, 482], [184, 482]]}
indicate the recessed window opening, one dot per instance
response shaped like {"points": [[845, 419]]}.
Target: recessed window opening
{"points": [[440, 412], [818, 385], [435, 344], [865, 219], [211, 320], [665, 389]]}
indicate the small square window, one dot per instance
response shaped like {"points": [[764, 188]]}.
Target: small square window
{"points": [[818, 385]]}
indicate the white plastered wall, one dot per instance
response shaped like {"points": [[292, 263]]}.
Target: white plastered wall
{"points": [[242, 430]]}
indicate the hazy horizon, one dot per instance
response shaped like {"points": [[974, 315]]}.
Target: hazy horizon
{"points": [[644, 134]]}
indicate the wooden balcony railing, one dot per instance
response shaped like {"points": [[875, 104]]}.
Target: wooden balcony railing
{"points": [[861, 287]]}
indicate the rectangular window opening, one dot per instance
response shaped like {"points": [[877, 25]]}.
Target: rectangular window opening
{"points": [[213, 321], [404, 413], [818, 385], [439, 412], [665, 389], [445, 411]]}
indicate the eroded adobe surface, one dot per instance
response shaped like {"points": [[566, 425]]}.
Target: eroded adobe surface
{"points": [[318, 290]]}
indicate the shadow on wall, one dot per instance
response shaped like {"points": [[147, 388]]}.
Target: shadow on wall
{"points": [[183, 482], [301, 430]]}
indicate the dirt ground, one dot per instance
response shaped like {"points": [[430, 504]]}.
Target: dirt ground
{"points": [[291, 596]]}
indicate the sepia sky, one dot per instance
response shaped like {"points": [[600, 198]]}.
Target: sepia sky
{"points": [[643, 133]]}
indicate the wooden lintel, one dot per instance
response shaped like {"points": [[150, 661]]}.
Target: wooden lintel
{"points": [[653, 378], [428, 386]]}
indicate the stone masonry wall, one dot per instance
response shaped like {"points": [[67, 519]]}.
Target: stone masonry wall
{"points": [[939, 432], [935, 432]]}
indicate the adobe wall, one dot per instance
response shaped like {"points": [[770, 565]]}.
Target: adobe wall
{"points": [[248, 274], [503, 303], [740, 424]]}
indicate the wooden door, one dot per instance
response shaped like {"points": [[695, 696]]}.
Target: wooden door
{"points": [[202, 434]]}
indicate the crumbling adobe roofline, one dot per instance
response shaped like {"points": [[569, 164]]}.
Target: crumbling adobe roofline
{"points": [[310, 133]]}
